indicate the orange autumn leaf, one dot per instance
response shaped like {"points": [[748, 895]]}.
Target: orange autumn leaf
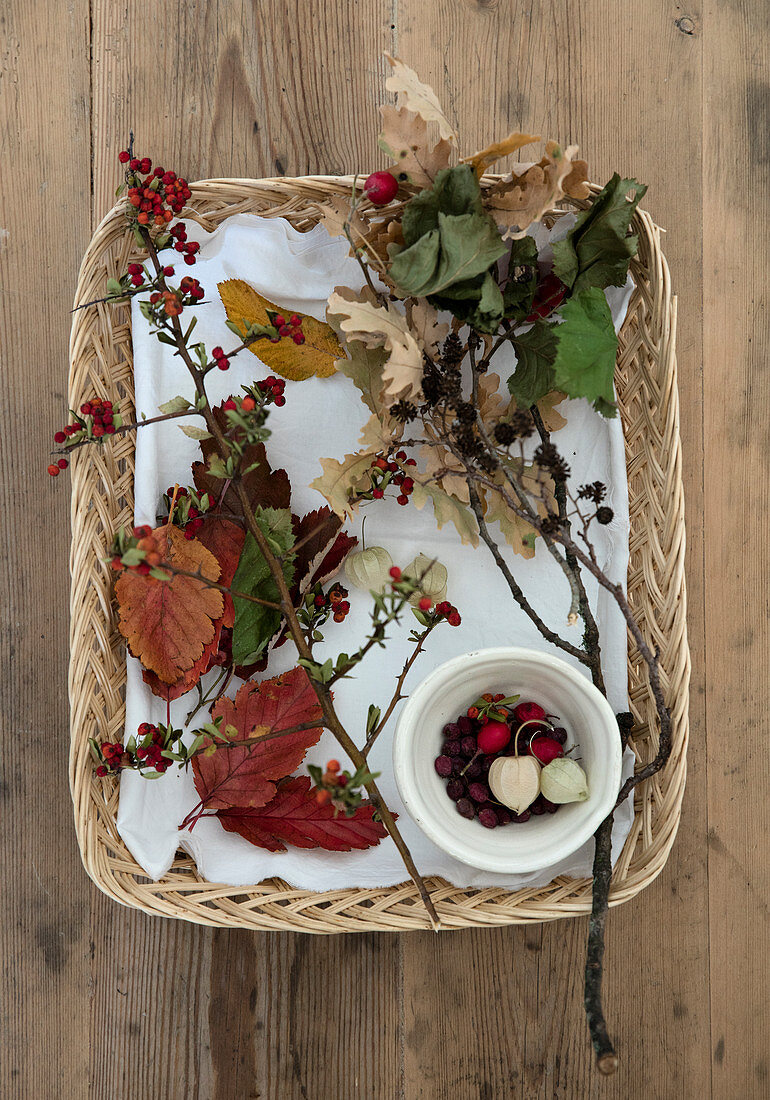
{"points": [[168, 624], [487, 157], [246, 306]]}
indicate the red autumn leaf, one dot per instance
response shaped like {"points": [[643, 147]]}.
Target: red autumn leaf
{"points": [[330, 565], [246, 776], [224, 540], [168, 624], [295, 817], [264, 486]]}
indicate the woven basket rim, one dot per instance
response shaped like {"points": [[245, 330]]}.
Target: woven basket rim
{"points": [[97, 340]]}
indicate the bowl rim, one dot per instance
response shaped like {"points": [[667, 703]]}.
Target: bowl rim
{"points": [[411, 794]]}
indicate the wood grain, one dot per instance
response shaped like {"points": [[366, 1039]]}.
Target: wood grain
{"points": [[45, 208], [102, 1002], [737, 569]]}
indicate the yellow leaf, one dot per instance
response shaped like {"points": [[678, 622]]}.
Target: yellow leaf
{"points": [[487, 157], [245, 306], [417, 97], [404, 138]]}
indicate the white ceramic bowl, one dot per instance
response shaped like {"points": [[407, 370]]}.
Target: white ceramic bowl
{"points": [[447, 692]]}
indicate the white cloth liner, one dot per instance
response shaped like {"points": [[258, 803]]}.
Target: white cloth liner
{"points": [[323, 418]]}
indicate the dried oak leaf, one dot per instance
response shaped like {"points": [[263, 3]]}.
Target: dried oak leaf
{"points": [[525, 198], [167, 624], [294, 817], [417, 97], [335, 212], [487, 157], [404, 138], [376, 325], [341, 479], [245, 306], [247, 775]]}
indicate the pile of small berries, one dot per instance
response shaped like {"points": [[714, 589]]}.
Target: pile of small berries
{"points": [[318, 605], [158, 196], [335, 601], [474, 741], [383, 471], [219, 357], [291, 327], [172, 302], [113, 755]]}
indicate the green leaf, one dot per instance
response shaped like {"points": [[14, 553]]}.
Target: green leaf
{"points": [[193, 432], [462, 246], [535, 353], [254, 624], [596, 251], [372, 717], [217, 468], [420, 616], [455, 191], [587, 346], [520, 288], [175, 405], [114, 287]]}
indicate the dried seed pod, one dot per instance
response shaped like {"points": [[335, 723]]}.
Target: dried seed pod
{"points": [[563, 780], [515, 781], [432, 578], [369, 569]]}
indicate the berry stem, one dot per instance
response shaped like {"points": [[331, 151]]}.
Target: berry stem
{"points": [[397, 696]]}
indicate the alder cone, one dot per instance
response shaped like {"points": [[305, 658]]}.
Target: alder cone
{"points": [[168, 624]]}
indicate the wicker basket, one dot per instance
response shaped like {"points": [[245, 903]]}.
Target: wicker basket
{"points": [[102, 500]]}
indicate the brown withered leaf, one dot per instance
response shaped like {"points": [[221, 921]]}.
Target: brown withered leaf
{"points": [[526, 197], [417, 97], [335, 212], [487, 157], [167, 624], [404, 138], [340, 479], [245, 306], [424, 322]]}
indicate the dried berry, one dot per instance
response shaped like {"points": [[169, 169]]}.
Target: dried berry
{"points": [[488, 818], [455, 788], [443, 766], [479, 792], [466, 808]]}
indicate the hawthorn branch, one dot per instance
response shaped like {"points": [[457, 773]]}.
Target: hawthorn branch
{"points": [[323, 693], [397, 696], [125, 428]]}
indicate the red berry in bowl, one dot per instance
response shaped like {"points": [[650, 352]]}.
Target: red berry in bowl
{"points": [[519, 818], [466, 808], [474, 769], [528, 712], [488, 818], [380, 188], [479, 792], [443, 766], [545, 749], [494, 736], [452, 748], [455, 788]]}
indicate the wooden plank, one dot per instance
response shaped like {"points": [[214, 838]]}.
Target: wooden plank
{"points": [[45, 220], [504, 1008], [209, 92], [737, 561]]}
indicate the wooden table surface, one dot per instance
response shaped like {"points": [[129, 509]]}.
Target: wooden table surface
{"points": [[99, 1001]]}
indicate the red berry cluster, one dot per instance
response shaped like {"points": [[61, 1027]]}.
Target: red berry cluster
{"points": [[273, 389], [332, 778], [181, 244], [445, 610], [292, 327], [220, 358], [189, 512], [383, 471], [96, 420], [112, 754], [173, 301], [150, 753], [158, 196], [335, 601]]}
